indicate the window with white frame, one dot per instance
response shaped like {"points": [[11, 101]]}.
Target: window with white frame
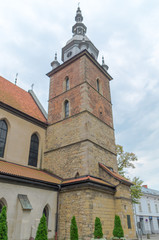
{"points": [[140, 207], [149, 207], [156, 207]]}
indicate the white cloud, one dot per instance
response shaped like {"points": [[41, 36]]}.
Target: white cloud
{"points": [[125, 32]]}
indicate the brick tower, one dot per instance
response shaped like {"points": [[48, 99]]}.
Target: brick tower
{"points": [[80, 144]]}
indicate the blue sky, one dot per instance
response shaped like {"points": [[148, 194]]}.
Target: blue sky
{"points": [[125, 32]]}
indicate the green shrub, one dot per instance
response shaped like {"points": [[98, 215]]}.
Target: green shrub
{"points": [[3, 224], [73, 229], [118, 230], [98, 228], [41, 233]]}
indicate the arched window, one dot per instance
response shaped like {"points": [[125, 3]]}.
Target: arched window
{"points": [[1, 205], [98, 85], [77, 175], [67, 84], [66, 105], [33, 154], [3, 136], [46, 213]]}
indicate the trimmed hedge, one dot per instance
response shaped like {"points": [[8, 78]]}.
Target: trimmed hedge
{"points": [[98, 233], [3, 224], [118, 230], [73, 229], [41, 233]]}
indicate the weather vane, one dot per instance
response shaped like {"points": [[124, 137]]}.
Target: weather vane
{"points": [[16, 79]]}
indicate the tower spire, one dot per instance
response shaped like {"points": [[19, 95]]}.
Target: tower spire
{"points": [[79, 41], [79, 28]]}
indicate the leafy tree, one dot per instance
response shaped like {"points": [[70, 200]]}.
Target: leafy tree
{"points": [[126, 160], [73, 229], [136, 189], [3, 224], [41, 233], [118, 230], [98, 228]]}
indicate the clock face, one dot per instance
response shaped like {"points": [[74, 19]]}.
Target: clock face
{"points": [[69, 54]]}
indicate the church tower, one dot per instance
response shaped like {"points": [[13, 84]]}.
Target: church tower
{"points": [[80, 142]]}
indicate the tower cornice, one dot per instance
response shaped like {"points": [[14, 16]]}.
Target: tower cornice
{"points": [[79, 55]]}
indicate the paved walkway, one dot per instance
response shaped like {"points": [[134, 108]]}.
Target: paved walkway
{"points": [[152, 237]]}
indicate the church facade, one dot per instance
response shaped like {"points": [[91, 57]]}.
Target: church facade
{"points": [[70, 166]]}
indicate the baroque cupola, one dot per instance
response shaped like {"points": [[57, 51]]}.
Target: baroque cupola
{"points": [[79, 41]]}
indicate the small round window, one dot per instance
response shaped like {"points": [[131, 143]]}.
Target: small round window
{"points": [[69, 54]]}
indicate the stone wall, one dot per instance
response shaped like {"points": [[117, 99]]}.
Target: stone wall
{"points": [[77, 144], [85, 205]]}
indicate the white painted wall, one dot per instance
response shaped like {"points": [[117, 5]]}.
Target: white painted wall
{"points": [[22, 224], [149, 226]]}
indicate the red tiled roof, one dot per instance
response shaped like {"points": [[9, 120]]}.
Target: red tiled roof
{"points": [[26, 172], [115, 174], [91, 178], [19, 99]]}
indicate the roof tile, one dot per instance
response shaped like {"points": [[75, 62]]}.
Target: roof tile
{"points": [[91, 178], [115, 174], [19, 99], [26, 172]]}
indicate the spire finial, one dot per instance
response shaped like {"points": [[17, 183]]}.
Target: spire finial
{"points": [[103, 60], [32, 86], [55, 63], [78, 4], [55, 56], [104, 65], [16, 78]]}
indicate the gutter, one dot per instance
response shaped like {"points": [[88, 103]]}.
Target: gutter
{"points": [[32, 181]]}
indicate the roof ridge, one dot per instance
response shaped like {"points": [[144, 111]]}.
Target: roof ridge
{"points": [[113, 173], [38, 103]]}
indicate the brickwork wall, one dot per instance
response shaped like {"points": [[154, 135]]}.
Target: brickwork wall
{"points": [[81, 95], [81, 98], [92, 74]]}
